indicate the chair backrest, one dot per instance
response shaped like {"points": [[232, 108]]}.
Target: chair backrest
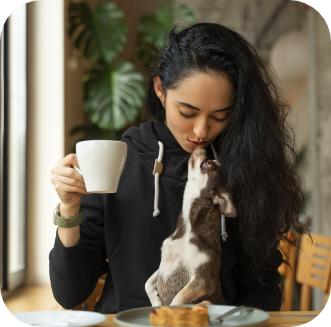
{"points": [[288, 273], [313, 267], [91, 301]]}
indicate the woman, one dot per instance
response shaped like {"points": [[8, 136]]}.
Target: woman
{"points": [[208, 85]]}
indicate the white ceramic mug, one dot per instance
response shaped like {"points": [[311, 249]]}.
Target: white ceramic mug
{"points": [[101, 163]]}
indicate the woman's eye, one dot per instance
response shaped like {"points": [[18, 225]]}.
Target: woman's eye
{"points": [[190, 116]]}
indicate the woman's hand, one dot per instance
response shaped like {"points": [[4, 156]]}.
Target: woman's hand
{"points": [[205, 303], [68, 182]]}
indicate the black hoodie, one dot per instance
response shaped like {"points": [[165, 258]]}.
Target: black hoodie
{"points": [[121, 227]]}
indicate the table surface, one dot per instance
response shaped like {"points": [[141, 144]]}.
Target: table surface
{"points": [[40, 298], [277, 319]]}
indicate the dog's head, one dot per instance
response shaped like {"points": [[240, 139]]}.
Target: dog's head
{"points": [[204, 179]]}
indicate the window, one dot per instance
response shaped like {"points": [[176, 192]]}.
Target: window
{"points": [[13, 150]]}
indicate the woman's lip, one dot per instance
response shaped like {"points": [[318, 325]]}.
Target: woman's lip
{"points": [[195, 144]]}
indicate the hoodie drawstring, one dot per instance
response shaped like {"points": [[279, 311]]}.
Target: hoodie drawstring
{"points": [[224, 233], [157, 171], [223, 224]]}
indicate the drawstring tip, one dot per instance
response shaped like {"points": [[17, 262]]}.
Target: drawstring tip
{"points": [[156, 213], [224, 233]]}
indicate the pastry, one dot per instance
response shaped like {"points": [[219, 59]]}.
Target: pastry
{"points": [[181, 316]]}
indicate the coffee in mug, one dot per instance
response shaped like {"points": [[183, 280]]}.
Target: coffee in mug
{"points": [[101, 164]]}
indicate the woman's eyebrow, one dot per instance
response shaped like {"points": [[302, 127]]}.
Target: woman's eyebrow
{"points": [[192, 107]]}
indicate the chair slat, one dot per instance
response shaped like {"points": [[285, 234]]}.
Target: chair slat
{"points": [[321, 251], [320, 262], [305, 299], [320, 273]]}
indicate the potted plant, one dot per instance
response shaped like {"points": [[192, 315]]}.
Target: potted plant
{"points": [[113, 90]]}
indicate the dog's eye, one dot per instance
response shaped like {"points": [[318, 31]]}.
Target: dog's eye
{"points": [[207, 165]]}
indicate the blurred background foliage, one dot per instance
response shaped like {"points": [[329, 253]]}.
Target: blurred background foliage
{"points": [[113, 90], [153, 29]]}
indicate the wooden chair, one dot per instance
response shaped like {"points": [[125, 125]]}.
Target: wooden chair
{"points": [[313, 267], [288, 273], [91, 301]]}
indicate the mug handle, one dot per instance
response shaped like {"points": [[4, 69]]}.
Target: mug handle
{"points": [[78, 170]]}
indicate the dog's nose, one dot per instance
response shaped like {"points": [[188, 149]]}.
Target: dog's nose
{"points": [[199, 150], [198, 155]]}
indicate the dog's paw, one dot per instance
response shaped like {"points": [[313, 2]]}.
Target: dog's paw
{"points": [[157, 303]]}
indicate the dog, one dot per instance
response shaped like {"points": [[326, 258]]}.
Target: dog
{"points": [[191, 256]]}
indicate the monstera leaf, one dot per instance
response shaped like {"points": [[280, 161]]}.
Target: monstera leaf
{"points": [[113, 96], [99, 34], [153, 29]]}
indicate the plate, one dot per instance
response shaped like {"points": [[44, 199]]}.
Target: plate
{"points": [[140, 317], [61, 318]]}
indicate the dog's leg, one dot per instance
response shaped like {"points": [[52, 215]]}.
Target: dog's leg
{"points": [[151, 290], [192, 291]]}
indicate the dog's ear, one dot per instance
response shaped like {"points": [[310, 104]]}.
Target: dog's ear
{"points": [[225, 203]]}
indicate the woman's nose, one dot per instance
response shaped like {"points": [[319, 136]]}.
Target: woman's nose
{"points": [[200, 129]]}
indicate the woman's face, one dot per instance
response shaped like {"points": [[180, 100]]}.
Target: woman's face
{"points": [[198, 108]]}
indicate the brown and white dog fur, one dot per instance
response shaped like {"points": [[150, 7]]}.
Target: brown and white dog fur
{"points": [[191, 256]]}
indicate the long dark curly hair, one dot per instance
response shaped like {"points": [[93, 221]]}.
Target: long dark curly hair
{"points": [[257, 148]]}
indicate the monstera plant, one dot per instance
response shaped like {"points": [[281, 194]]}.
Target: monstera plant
{"points": [[113, 90]]}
